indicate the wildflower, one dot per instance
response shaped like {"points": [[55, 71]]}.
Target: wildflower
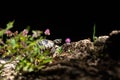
{"points": [[47, 32], [8, 33], [67, 40], [24, 32]]}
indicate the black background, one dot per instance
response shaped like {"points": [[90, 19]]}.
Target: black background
{"points": [[73, 21]]}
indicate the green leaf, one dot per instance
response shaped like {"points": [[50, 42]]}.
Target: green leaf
{"points": [[22, 38], [2, 32], [31, 59], [13, 43], [25, 68], [47, 60], [94, 33], [40, 67], [10, 25], [30, 69]]}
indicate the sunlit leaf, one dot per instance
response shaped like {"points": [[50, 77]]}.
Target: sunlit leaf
{"points": [[31, 59], [2, 32], [40, 67], [13, 42], [30, 69], [10, 25], [25, 68], [47, 60]]}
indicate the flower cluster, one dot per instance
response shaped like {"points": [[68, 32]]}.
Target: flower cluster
{"points": [[67, 40], [47, 32], [25, 48]]}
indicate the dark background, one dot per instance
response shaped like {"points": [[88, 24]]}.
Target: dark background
{"points": [[75, 22]]}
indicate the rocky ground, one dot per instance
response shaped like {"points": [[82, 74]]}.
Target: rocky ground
{"points": [[81, 60]]}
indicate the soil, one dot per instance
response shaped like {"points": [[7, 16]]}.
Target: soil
{"points": [[83, 60]]}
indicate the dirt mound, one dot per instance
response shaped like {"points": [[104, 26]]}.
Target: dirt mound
{"points": [[83, 60]]}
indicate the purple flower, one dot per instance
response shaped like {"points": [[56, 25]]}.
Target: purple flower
{"points": [[67, 40], [9, 33], [47, 32], [24, 32]]}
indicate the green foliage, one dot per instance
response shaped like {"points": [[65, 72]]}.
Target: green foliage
{"points": [[24, 48], [59, 50], [8, 26]]}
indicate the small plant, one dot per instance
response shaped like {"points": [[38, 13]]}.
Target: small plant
{"points": [[24, 48], [8, 26], [94, 33]]}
